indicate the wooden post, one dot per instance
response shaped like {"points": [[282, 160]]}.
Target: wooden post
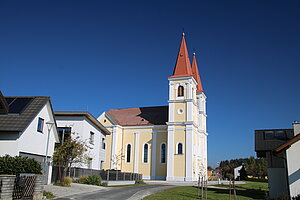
{"points": [[206, 190], [234, 191], [229, 189], [202, 187], [198, 193]]}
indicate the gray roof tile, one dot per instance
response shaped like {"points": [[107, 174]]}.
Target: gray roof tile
{"points": [[20, 121]]}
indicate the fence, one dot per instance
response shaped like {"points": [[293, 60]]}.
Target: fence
{"points": [[117, 175], [108, 175], [24, 187]]}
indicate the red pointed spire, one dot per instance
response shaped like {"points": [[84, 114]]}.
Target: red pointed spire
{"points": [[196, 74], [183, 65]]}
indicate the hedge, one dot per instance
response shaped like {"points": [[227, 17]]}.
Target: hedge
{"points": [[17, 165]]}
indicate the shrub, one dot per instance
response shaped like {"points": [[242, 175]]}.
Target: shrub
{"points": [[67, 182], [104, 184], [48, 195], [229, 176], [17, 165], [82, 179], [139, 182], [93, 180]]}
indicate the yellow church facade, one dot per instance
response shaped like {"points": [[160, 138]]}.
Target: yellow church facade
{"points": [[162, 142]]}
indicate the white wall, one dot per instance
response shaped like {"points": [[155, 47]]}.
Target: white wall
{"points": [[293, 161], [34, 142], [9, 147], [31, 141], [83, 126]]}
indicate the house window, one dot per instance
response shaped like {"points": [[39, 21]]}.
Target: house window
{"points": [[179, 148], [128, 153], [163, 153], [281, 135], [145, 153], [64, 133], [40, 126], [92, 137], [180, 91], [103, 143]]}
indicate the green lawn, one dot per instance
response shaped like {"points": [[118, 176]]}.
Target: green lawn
{"points": [[251, 190], [251, 185]]}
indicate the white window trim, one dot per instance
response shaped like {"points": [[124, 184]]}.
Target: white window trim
{"points": [[176, 147], [165, 153], [144, 153], [130, 152]]}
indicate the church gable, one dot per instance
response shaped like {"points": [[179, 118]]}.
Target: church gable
{"points": [[106, 120]]}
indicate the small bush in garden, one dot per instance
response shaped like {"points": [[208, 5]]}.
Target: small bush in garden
{"points": [[139, 182], [82, 179], [48, 195], [93, 180], [104, 184], [18, 164], [67, 182]]}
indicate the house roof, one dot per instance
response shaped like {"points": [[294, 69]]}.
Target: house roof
{"points": [[287, 144], [87, 115], [3, 104], [183, 64], [196, 74], [21, 111], [140, 116]]}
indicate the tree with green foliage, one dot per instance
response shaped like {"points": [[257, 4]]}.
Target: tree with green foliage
{"points": [[71, 151], [256, 167], [18, 165], [243, 173]]}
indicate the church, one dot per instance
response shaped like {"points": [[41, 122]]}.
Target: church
{"points": [[162, 142]]}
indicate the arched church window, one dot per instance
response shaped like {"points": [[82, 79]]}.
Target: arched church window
{"points": [[145, 153], [179, 148], [163, 153], [180, 91], [128, 153]]}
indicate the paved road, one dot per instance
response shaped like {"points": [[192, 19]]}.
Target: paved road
{"points": [[120, 193]]}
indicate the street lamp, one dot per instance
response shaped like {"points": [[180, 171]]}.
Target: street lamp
{"points": [[49, 126]]}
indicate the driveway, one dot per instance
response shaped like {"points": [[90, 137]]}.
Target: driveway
{"points": [[120, 193]]}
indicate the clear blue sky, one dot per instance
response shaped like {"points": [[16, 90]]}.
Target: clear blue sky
{"points": [[98, 55]]}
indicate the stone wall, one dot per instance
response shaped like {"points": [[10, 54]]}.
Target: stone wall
{"points": [[7, 183], [7, 186]]}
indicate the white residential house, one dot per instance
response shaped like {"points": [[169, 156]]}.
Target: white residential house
{"points": [[28, 129], [236, 172], [89, 130], [281, 148]]}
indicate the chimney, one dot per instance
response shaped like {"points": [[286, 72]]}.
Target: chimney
{"points": [[296, 127]]}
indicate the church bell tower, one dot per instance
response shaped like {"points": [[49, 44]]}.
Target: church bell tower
{"points": [[187, 155]]}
